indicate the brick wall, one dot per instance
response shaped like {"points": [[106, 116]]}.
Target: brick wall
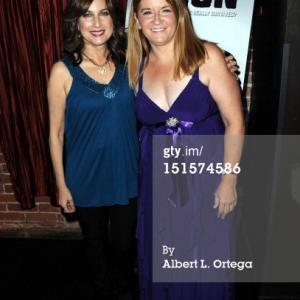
{"points": [[42, 221]]}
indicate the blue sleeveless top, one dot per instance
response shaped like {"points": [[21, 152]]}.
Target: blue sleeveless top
{"points": [[100, 143]]}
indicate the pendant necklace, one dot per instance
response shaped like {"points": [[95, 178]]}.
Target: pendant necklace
{"points": [[102, 68]]}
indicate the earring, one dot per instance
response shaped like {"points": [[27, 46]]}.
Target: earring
{"points": [[79, 33]]}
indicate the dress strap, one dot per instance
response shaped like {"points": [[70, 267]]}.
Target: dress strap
{"points": [[196, 73], [141, 75], [69, 65]]}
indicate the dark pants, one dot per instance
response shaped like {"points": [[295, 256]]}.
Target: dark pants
{"points": [[108, 233]]}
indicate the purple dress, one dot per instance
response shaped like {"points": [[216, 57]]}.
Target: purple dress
{"points": [[194, 104]]}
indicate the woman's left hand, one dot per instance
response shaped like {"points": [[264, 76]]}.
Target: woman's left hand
{"points": [[226, 196]]}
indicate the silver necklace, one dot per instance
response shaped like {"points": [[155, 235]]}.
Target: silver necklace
{"points": [[102, 68]]}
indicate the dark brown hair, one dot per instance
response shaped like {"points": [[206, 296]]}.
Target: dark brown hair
{"points": [[72, 39]]}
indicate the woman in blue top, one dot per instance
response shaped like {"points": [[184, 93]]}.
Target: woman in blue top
{"points": [[93, 139]]}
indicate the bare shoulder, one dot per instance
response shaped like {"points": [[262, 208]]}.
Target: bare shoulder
{"points": [[213, 63], [60, 70], [214, 54], [60, 78], [59, 82], [214, 69]]}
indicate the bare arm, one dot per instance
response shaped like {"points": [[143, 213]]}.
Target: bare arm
{"points": [[58, 85], [225, 91]]}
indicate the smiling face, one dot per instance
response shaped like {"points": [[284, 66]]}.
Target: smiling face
{"points": [[157, 20], [96, 24]]}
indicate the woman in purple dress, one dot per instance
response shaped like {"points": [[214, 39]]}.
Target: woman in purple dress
{"points": [[178, 77]]}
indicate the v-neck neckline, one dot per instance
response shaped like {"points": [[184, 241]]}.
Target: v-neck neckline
{"points": [[174, 102], [96, 81]]}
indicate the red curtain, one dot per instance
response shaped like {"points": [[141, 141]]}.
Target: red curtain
{"points": [[31, 41], [30, 37]]}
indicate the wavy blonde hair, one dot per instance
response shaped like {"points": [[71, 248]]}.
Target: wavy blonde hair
{"points": [[189, 50]]}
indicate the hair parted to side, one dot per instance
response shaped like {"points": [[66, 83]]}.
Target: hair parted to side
{"points": [[189, 50], [72, 39]]}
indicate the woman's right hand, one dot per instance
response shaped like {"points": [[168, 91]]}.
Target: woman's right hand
{"points": [[65, 200]]}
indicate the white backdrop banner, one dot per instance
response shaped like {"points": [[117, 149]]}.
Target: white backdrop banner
{"points": [[225, 22]]}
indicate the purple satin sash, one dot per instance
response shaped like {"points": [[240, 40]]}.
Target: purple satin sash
{"points": [[176, 130]]}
